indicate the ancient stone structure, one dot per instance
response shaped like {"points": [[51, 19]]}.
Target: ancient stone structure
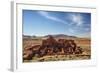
{"points": [[50, 46]]}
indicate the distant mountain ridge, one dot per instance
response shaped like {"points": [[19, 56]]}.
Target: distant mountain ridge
{"points": [[28, 36], [61, 36], [55, 36]]}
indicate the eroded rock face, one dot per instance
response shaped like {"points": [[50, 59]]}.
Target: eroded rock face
{"points": [[50, 42], [27, 54], [78, 50], [51, 46]]}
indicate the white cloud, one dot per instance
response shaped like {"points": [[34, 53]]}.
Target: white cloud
{"points": [[76, 19], [48, 16]]}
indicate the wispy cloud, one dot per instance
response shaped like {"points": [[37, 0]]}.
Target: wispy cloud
{"points": [[76, 19], [51, 17]]}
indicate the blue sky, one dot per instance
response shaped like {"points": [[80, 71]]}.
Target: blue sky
{"points": [[42, 23]]}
